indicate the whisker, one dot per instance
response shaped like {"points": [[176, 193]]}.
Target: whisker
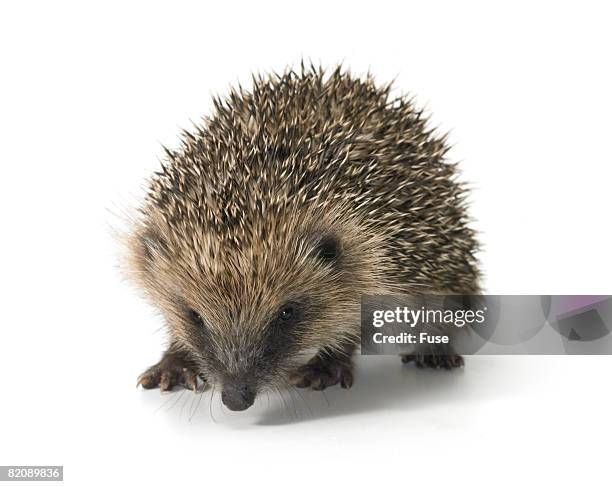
{"points": [[210, 409], [294, 409], [285, 409], [183, 406], [196, 407], [326, 399], [166, 401], [304, 401], [176, 400]]}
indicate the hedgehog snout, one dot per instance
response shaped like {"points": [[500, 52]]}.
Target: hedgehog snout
{"points": [[238, 395]]}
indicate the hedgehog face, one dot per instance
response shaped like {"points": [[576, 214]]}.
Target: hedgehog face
{"points": [[248, 312]]}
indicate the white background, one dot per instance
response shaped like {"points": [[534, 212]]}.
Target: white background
{"points": [[88, 93]]}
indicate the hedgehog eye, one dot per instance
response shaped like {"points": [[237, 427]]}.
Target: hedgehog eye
{"points": [[287, 313], [196, 318], [328, 249]]}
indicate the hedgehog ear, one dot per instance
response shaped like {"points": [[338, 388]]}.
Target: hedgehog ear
{"points": [[329, 248]]}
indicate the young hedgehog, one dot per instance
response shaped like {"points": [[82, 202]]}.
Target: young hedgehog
{"points": [[259, 236]]}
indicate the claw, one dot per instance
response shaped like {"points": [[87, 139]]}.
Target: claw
{"points": [[319, 374], [172, 370], [447, 362], [192, 382], [165, 382]]}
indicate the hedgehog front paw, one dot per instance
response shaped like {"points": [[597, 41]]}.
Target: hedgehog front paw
{"points": [[322, 372], [174, 369], [422, 361]]}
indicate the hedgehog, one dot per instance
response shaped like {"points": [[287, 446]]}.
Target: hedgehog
{"points": [[261, 232]]}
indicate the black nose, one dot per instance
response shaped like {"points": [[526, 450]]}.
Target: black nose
{"points": [[237, 397]]}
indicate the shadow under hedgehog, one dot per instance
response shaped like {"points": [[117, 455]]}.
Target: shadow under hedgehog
{"points": [[260, 234]]}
